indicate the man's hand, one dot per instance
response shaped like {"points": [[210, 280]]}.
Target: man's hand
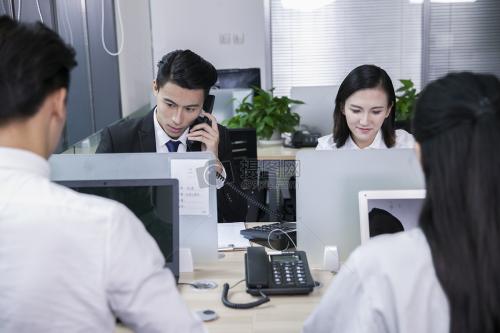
{"points": [[208, 136]]}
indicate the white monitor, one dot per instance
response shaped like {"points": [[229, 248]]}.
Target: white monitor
{"points": [[197, 202], [328, 183], [227, 101], [317, 112], [403, 205]]}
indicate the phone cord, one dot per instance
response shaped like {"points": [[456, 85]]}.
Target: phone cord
{"points": [[254, 202]]}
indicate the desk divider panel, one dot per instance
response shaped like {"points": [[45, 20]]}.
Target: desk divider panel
{"points": [[328, 183], [198, 232]]}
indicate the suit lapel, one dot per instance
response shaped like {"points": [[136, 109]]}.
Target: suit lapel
{"points": [[147, 133]]}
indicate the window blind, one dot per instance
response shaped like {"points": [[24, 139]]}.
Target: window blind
{"points": [[321, 46], [464, 36]]}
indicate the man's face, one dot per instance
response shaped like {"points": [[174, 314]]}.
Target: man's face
{"points": [[177, 107]]}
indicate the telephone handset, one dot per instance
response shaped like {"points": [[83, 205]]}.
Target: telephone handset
{"points": [[207, 107]]}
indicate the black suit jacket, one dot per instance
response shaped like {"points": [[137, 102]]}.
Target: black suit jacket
{"points": [[138, 136]]}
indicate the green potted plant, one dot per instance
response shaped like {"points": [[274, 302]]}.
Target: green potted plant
{"points": [[268, 114], [406, 96]]}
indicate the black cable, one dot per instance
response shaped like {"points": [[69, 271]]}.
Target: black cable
{"points": [[237, 283], [229, 304], [254, 202]]}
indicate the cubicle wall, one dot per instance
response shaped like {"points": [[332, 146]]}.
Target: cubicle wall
{"points": [[198, 219]]}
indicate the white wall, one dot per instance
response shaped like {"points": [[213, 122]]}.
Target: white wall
{"points": [[136, 60], [200, 25]]}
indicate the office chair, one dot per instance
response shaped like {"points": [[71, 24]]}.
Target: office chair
{"points": [[244, 167]]}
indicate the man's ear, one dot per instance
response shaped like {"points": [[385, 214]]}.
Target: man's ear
{"points": [[155, 88], [59, 103]]}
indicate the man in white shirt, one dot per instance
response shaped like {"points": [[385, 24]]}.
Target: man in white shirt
{"points": [[68, 262]]}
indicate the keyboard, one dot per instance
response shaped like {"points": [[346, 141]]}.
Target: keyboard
{"points": [[276, 233]]}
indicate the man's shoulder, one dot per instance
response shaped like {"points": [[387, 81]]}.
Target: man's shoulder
{"points": [[128, 125], [75, 202], [125, 136]]}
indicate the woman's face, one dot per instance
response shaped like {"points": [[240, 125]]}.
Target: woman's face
{"points": [[365, 112]]}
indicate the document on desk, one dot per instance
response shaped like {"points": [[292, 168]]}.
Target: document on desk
{"points": [[230, 237], [193, 199]]}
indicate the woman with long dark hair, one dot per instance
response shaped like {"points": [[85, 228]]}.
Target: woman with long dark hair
{"points": [[443, 276], [364, 113]]}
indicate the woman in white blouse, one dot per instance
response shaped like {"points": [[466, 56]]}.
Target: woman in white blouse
{"points": [[444, 275], [364, 113]]}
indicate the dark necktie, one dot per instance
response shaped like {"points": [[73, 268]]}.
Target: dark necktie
{"points": [[172, 146]]}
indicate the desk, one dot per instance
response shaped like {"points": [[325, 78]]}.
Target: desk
{"points": [[282, 314], [278, 152]]}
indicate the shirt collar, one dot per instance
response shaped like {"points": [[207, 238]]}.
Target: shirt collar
{"points": [[163, 137], [377, 143], [24, 160]]}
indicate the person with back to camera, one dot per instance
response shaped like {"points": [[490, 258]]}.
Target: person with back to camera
{"points": [[364, 113], [442, 276], [69, 262]]}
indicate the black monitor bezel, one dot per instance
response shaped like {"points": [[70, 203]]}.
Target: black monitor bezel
{"points": [[138, 182]]}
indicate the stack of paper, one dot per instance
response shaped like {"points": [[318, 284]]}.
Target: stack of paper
{"points": [[230, 238]]}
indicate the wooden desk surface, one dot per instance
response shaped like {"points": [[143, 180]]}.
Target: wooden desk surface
{"points": [[278, 152], [284, 314]]}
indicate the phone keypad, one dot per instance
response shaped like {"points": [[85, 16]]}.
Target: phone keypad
{"points": [[288, 273]]}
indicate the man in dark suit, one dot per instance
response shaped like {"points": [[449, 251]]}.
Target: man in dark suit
{"points": [[181, 87]]}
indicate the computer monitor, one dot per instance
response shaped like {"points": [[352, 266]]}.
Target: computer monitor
{"points": [[238, 78], [317, 111], [228, 100], [154, 201], [197, 203], [388, 211], [328, 183]]}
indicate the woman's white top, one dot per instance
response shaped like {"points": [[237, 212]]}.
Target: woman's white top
{"points": [[403, 140], [387, 285]]}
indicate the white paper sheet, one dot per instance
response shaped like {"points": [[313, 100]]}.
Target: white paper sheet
{"points": [[229, 236], [193, 199]]}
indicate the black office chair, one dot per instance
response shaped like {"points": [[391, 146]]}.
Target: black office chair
{"points": [[244, 168]]}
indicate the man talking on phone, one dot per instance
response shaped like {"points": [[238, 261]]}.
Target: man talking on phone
{"points": [[179, 123]]}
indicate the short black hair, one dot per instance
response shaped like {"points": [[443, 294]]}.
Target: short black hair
{"points": [[187, 70], [34, 62], [364, 77]]}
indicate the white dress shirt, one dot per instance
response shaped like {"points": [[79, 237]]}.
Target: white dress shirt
{"points": [[71, 262], [403, 140], [387, 285], [161, 139]]}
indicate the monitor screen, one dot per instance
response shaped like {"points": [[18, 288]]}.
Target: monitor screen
{"points": [[153, 201], [389, 211], [238, 78], [387, 216]]}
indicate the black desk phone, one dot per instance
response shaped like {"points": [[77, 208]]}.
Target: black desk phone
{"points": [[277, 274]]}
